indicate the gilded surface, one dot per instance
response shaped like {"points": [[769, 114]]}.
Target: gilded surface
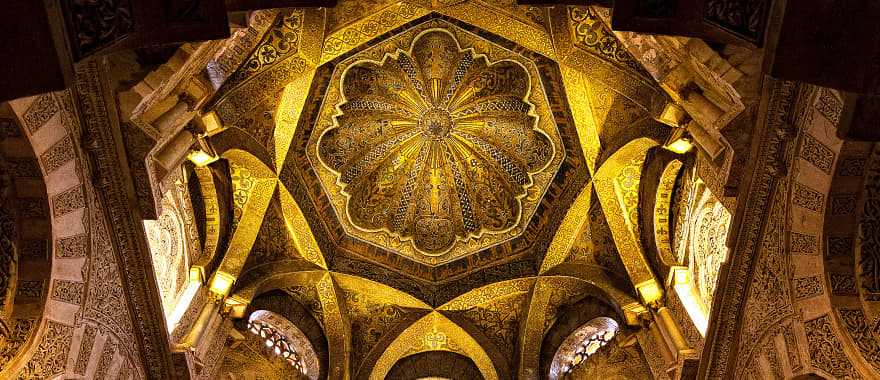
{"points": [[347, 12], [445, 141], [577, 90], [376, 313], [548, 294], [293, 99], [439, 159], [299, 229], [568, 232], [488, 293], [253, 187], [617, 184], [394, 15], [432, 333], [663, 211], [506, 20], [336, 325], [437, 151], [212, 212], [590, 33]]}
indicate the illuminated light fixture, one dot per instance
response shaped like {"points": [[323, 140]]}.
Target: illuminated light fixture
{"points": [[236, 306], [679, 142], [197, 274], [222, 283], [673, 115], [632, 311], [211, 123], [692, 304], [202, 154], [649, 291], [200, 158], [680, 275]]}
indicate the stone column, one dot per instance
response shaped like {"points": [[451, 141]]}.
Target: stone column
{"points": [[197, 332], [173, 151], [681, 359], [179, 114]]}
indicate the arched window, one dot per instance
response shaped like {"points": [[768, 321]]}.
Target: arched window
{"points": [[167, 242], [700, 248], [708, 245], [582, 343], [284, 340], [170, 250]]}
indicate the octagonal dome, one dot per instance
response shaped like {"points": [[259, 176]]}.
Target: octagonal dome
{"points": [[436, 151]]}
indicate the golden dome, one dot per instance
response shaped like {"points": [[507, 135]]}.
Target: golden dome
{"points": [[435, 146]]}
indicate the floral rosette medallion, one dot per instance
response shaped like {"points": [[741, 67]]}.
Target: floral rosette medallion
{"points": [[436, 147]]}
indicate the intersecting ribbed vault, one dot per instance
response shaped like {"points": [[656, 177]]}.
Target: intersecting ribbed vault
{"points": [[436, 146], [435, 170]]}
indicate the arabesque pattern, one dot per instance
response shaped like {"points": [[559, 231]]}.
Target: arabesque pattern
{"points": [[435, 146]]}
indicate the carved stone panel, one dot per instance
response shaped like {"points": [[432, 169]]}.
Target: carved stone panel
{"points": [[825, 348]]}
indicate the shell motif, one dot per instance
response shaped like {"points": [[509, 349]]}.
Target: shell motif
{"points": [[436, 144]]}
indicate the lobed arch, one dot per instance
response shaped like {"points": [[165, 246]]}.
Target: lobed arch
{"points": [[448, 316], [821, 202], [435, 364], [298, 324], [660, 195], [431, 333], [851, 248], [617, 185], [571, 319], [614, 142], [804, 266]]}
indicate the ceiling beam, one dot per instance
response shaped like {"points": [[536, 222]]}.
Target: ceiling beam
{"points": [[29, 33]]}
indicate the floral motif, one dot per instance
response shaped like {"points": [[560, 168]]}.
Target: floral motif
{"points": [[435, 145], [710, 249], [166, 240], [592, 35], [281, 41]]}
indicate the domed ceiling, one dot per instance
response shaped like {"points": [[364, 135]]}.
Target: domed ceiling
{"points": [[421, 170], [437, 149], [444, 147]]}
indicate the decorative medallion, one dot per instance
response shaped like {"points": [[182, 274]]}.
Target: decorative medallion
{"points": [[437, 151]]}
